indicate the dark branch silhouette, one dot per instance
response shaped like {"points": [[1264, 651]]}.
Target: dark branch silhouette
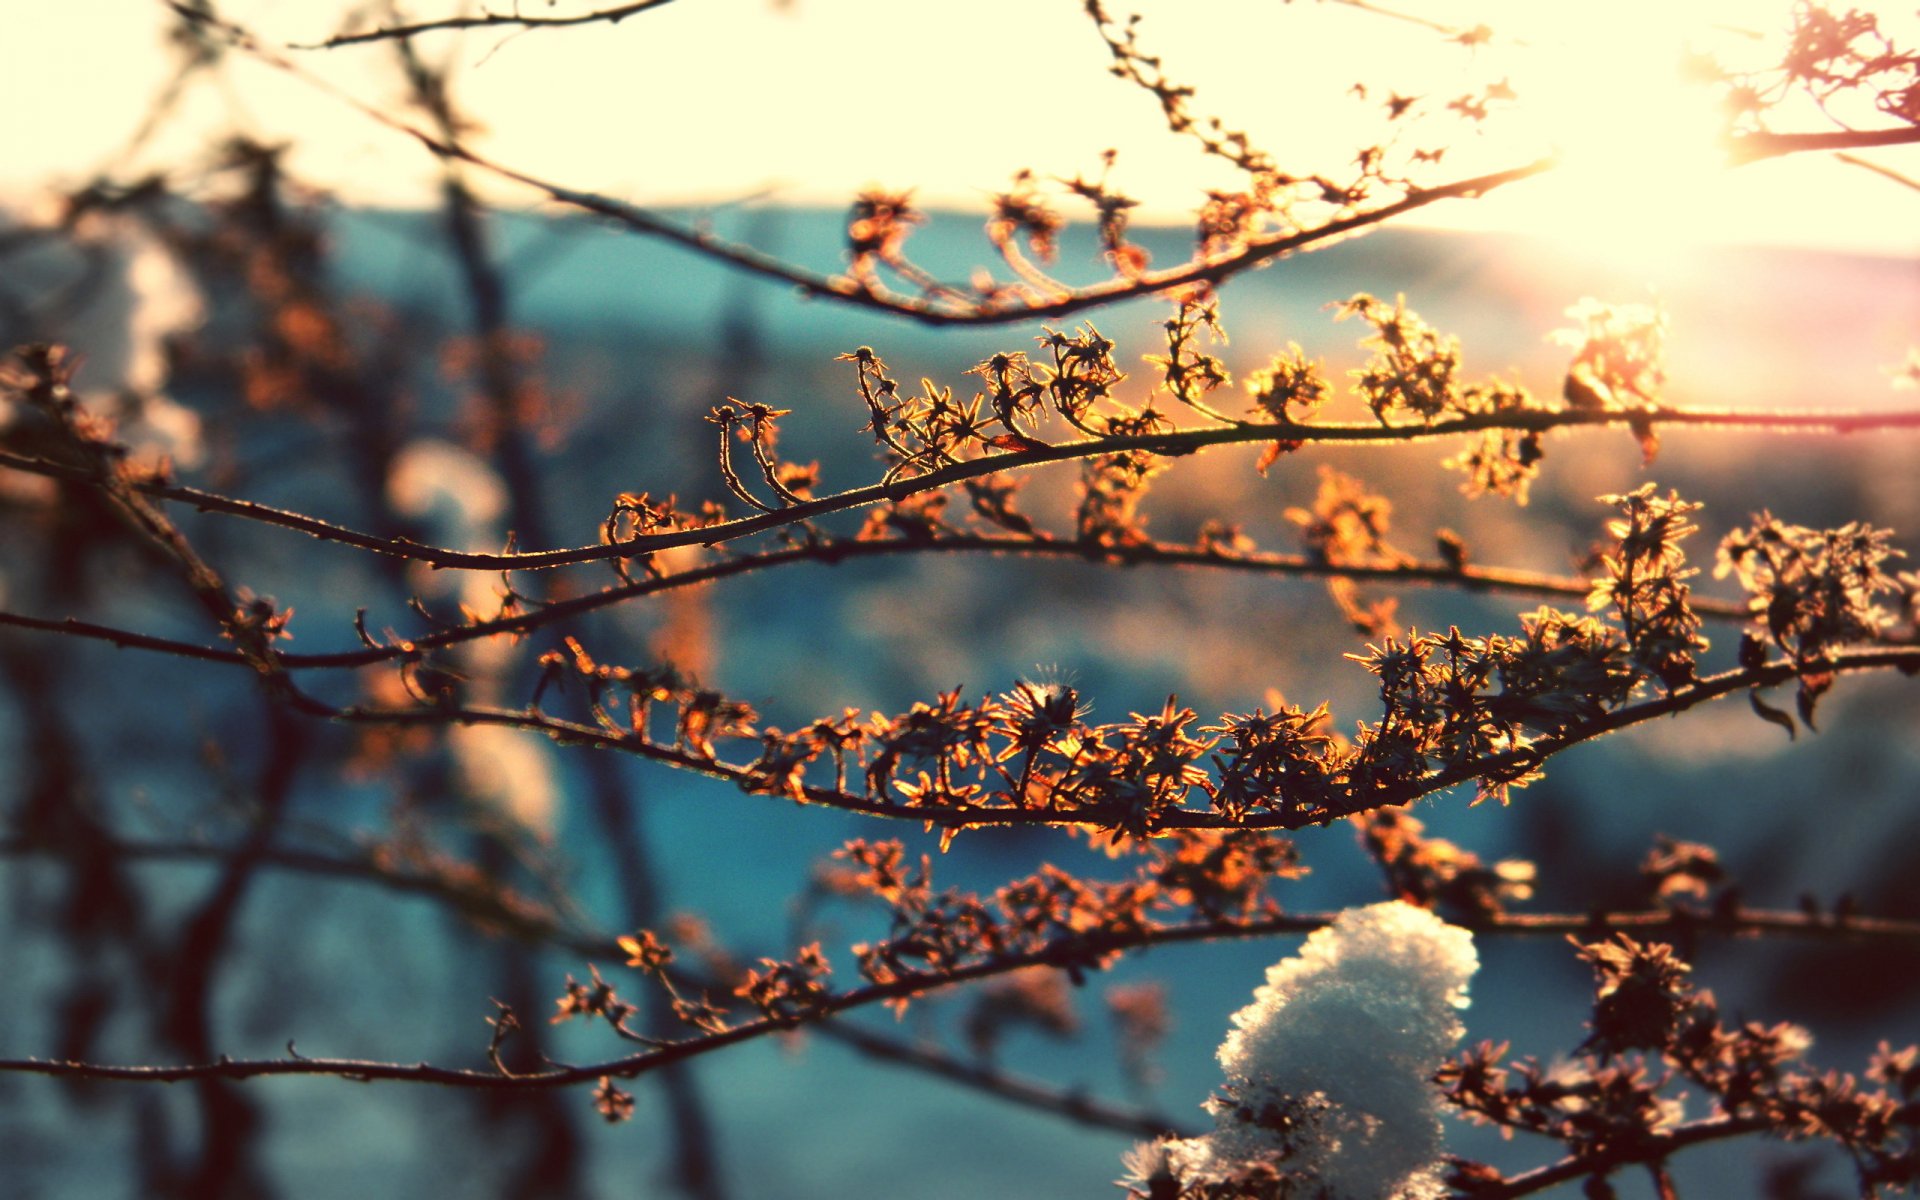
{"points": [[611, 15]]}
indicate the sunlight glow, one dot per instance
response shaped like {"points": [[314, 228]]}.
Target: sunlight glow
{"points": [[1644, 175], [648, 112]]}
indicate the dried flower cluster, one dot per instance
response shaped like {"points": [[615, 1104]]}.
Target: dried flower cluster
{"points": [[1621, 1102]]}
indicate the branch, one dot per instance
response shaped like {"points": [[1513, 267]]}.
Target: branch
{"points": [[524, 918], [847, 291], [1502, 764], [1752, 147], [1884, 172], [251, 624], [532, 924], [1906, 660], [1256, 252], [1452, 33], [1074, 951], [1644, 1150], [508, 910], [125, 639], [536, 924], [992, 1081], [1743, 148], [1467, 578], [1177, 443], [483, 20], [1029, 1093]]}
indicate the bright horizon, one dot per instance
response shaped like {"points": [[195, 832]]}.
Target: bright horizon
{"points": [[709, 101]]}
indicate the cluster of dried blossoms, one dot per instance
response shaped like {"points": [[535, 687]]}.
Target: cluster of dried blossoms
{"points": [[1485, 710], [1456, 708], [1662, 1070], [1199, 879]]}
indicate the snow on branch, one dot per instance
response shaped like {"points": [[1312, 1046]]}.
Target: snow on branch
{"points": [[1329, 1089]]}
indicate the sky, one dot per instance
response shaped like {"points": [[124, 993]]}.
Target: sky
{"points": [[808, 101]]}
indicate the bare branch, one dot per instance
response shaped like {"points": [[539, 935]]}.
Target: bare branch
{"points": [[1753, 147], [1885, 172], [481, 20], [1467, 577], [1061, 952]]}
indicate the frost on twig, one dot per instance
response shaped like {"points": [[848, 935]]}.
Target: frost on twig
{"points": [[1329, 1090]]}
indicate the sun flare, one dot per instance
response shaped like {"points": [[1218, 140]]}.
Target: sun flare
{"points": [[1643, 175]]}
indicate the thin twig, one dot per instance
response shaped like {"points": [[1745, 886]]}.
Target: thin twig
{"points": [[847, 291], [1743, 148], [1467, 578], [518, 917], [1176, 443], [1647, 1149], [1030, 1093], [1071, 950], [1885, 172], [1752, 147], [482, 20]]}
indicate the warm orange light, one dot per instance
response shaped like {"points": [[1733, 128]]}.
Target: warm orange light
{"points": [[1644, 170]]}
